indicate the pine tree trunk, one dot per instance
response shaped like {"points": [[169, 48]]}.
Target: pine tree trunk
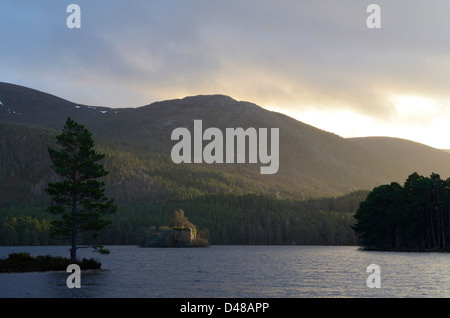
{"points": [[449, 224], [73, 251], [433, 235], [442, 229]]}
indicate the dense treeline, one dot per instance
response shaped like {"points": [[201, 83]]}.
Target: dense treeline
{"points": [[247, 219], [415, 216], [147, 187], [24, 226], [230, 219]]}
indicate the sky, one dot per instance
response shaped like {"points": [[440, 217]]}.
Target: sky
{"points": [[316, 61]]}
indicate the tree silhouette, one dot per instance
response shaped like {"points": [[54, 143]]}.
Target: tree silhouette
{"points": [[413, 217], [79, 198]]}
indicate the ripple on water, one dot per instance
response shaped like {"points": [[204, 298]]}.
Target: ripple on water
{"points": [[237, 271]]}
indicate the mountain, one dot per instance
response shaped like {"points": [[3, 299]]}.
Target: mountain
{"points": [[312, 198], [416, 156], [27, 106], [313, 163]]}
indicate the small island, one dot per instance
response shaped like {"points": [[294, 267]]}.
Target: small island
{"points": [[179, 233], [24, 262]]}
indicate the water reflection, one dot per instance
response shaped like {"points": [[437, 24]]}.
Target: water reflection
{"points": [[237, 271]]}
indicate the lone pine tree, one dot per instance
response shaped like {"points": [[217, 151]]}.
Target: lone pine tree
{"points": [[79, 198]]}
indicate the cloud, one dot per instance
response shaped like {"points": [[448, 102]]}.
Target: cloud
{"points": [[292, 54]]}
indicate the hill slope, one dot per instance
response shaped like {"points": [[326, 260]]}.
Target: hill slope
{"points": [[313, 163], [416, 156], [27, 106]]}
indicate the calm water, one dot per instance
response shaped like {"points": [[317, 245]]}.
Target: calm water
{"points": [[237, 271]]}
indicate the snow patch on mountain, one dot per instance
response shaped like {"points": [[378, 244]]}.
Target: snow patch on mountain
{"points": [[11, 111]]}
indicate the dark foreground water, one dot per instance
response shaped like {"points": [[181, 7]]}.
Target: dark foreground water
{"points": [[237, 271]]}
